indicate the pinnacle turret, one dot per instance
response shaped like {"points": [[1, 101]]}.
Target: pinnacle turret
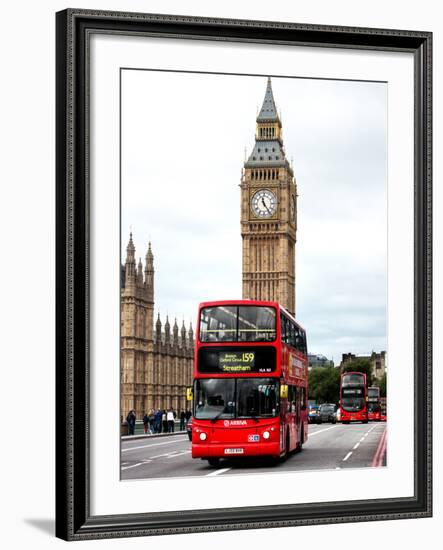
{"points": [[140, 273], [175, 332], [149, 273], [130, 263], [158, 329], [149, 258], [167, 330]]}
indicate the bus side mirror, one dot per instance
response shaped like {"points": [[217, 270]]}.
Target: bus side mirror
{"points": [[284, 391], [189, 394]]}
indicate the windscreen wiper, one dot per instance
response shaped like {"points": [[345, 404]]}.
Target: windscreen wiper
{"points": [[217, 416]]}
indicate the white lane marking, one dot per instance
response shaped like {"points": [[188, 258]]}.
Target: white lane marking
{"points": [[320, 431], [153, 445], [369, 431], [169, 455], [178, 454], [218, 472], [347, 456], [361, 439], [356, 445], [133, 466]]}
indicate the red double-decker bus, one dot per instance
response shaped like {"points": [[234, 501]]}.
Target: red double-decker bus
{"points": [[353, 398], [374, 408], [250, 381]]}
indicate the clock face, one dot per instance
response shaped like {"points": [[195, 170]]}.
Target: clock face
{"points": [[264, 203]]}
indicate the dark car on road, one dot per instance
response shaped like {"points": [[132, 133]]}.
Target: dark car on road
{"points": [[328, 412], [314, 414]]}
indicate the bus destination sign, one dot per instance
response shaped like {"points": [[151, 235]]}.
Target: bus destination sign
{"points": [[218, 360], [352, 391], [236, 361]]}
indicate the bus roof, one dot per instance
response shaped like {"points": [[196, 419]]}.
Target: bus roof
{"points": [[249, 302], [353, 372]]}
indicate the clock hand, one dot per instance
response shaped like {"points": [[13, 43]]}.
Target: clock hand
{"points": [[264, 204]]}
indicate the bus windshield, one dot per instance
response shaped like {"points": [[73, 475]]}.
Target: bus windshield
{"points": [[352, 398], [228, 398], [352, 403], [237, 324]]}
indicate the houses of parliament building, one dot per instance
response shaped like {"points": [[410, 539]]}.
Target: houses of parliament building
{"points": [[157, 361]]}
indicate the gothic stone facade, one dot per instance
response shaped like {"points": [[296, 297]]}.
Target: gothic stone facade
{"points": [[156, 364], [269, 213]]}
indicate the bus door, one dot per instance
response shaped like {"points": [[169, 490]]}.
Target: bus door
{"points": [[298, 412]]}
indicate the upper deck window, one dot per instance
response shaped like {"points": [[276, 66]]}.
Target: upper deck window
{"points": [[352, 379], [292, 334], [237, 324]]}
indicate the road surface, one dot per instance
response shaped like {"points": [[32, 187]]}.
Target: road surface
{"points": [[329, 446]]}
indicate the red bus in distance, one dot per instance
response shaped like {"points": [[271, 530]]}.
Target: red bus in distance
{"points": [[374, 409], [353, 398], [250, 381]]}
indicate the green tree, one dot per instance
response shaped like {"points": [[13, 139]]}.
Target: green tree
{"points": [[360, 364], [324, 384], [382, 385]]}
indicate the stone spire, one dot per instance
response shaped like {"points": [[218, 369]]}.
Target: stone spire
{"points": [[183, 334], [191, 334], [167, 330], [175, 333], [140, 273], [149, 273], [158, 329], [130, 263]]}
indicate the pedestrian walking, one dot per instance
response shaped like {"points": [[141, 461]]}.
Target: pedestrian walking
{"points": [[170, 419], [182, 420], [188, 415], [164, 421], [146, 423], [151, 419], [130, 419], [158, 422]]}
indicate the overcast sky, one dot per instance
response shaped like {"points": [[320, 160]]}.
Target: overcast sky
{"points": [[183, 147]]}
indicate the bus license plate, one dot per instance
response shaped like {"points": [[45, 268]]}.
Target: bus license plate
{"points": [[234, 451]]}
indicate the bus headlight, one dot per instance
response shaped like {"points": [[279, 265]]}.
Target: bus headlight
{"points": [[266, 435], [203, 436]]}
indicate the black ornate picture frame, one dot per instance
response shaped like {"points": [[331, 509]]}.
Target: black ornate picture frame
{"points": [[73, 517]]}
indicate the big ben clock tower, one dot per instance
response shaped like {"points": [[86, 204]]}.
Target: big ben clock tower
{"points": [[269, 213]]}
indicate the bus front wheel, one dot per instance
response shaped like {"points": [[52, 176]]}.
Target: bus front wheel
{"points": [[214, 462]]}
